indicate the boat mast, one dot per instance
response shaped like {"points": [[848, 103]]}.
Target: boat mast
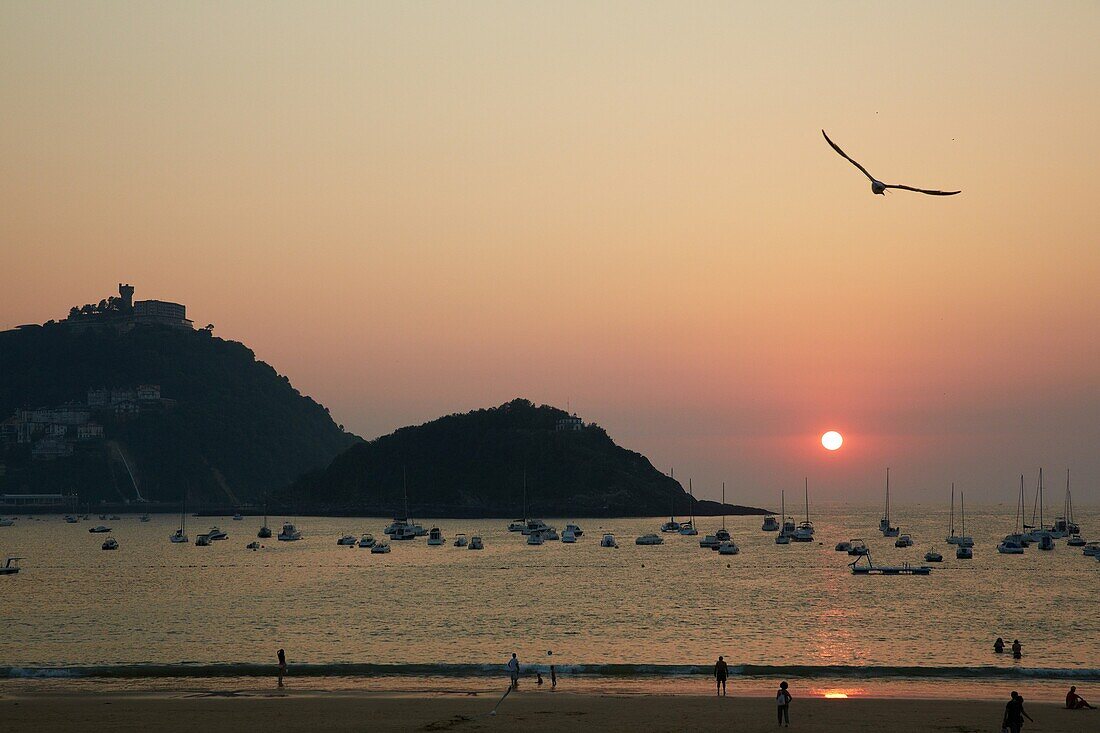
{"points": [[405, 492], [1069, 503], [782, 504], [691, 502], [525, 496], [1041, 526], [1020, 504], [671, 497], [952, 508], [723, 505], [806, 483], [886, 516], [962, 500]]}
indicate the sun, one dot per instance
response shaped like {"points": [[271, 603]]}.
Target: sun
{"points": [[832, 440]]}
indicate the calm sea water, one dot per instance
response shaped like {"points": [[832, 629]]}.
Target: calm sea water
{"points": [[154, 609]]}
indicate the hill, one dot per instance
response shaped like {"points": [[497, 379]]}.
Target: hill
{"points": [[151, 411], [474, 464]]}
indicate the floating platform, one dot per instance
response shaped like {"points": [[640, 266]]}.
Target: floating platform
{"points": [[871, 569]]}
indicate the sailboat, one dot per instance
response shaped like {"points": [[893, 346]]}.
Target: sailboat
{"points": [[520, 525], [401, 528], [805, 531], [1013, 544], [180, 535], [671, 525], [952, 538], [1038, 532], [784, 536], [963, 547], [688, 527], [265, 531], [1064, 525], [884, 523], [714, 541]]}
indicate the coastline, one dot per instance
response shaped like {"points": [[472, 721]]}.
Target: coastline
{"points": [[533, 710]]}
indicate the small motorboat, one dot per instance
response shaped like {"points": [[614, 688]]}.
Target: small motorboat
{"points": [[575, 529], [110, 544], [290, 533], [435, 537], [649, 539], [70, 519], [550, 534], [1046, 542], [728, 548], [871, 569], [782, 538], [804, 533], [476, 543], [366, 540], [933, 556], [963, 552], [144, 518], [264, 532], [1010, 546], [568, 537], [253, 545], [99, 529], [858, 548], [688, 529], [380, 548], [11, 566], [1091, 549], [348, 540], [115, 518], [608, 541], [403, 532], [460, 540], [178, 536], [535, 538], [203, 540], [712, 541], [903, 541], [1075, 540], [670, 526], [517, 525], [238, 517], [771, 524], [843, 546], [217, 534]]}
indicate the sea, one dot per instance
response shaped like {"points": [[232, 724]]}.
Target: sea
{"points": [[154, 615]]}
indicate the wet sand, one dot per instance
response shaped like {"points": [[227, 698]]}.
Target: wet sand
{"points": [[334, 712]]}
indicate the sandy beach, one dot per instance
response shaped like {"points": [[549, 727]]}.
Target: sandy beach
{"points": [[334, 712]]}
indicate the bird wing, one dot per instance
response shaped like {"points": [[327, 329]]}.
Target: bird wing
{"points": [[922, 190], [845, 156]]}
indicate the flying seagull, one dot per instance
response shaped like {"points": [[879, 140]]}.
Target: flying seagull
{"points": [[878, 186]]}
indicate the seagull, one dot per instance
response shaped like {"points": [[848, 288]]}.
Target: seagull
{"points": [[877, 186]]}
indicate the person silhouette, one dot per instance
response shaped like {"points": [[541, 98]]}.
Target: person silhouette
{"points": [[783, 704], [1075, 701], [282, 665], [999, 646], [721, 671], [1017, 649], [513, 670], [1014, 714]]}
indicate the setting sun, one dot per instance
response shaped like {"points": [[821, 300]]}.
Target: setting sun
{"points": [[832, 440]]}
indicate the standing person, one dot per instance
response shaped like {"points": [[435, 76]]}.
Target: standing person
{"points": [[1017, 649], [1075, 701], [282, 665], [553, 672], [721, 671], [513, 670], [783, 705], [1015, 714], [999, 646]]}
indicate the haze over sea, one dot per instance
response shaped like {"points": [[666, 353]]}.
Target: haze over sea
{"points": [[154, 611]]}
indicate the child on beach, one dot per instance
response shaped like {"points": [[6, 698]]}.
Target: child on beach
{"points": [[783, 705]]}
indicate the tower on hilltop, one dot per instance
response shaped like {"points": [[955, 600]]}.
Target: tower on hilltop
{"points": [[126, 294]]}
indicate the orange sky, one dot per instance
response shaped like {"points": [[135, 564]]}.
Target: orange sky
{"points": [[415, 209]]}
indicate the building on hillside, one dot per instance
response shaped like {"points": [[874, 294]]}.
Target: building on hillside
{"points": [[148, 393], [48, 449], [570, 423], [123, 313], [91, 431]]}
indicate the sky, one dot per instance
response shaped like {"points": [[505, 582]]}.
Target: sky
{"points": [[414, 209]]}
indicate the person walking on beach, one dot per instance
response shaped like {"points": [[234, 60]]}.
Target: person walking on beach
{"points": [[1075, 701], [783, 705], [1017, 649], [282, 665], [513, 670], [721, 671], [1015, 714], [999, 646]]}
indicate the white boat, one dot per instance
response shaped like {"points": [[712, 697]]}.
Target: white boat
{"points": [[903, 541], [401, 528], [143, 518], [11, 566], [963, 540], [575, 529], [99, 529], [404, 532], [1036, 531], [962, 552], [688, 528], [712, 541], [435, 537], [460, 540], [843, 546], [7, 522], [476, 543], [608, 540], [933, 556], [380, 548], [884, 523], [68, 518], [289, 533], [217, 534], [535, 538], [672, 525], [517, 525], [1064, 525], [1013, 544], [568, 537], [110, 544], [178, 536], [805, 530], [728, 548], [238, 517], [535, 526], [1010, 546], [649, 539], [347, 540], [771, 524], [1046, 542], [366, 541], [857, 548], [203, 540]]}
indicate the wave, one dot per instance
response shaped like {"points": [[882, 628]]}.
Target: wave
{"points": [[351, 669]]}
